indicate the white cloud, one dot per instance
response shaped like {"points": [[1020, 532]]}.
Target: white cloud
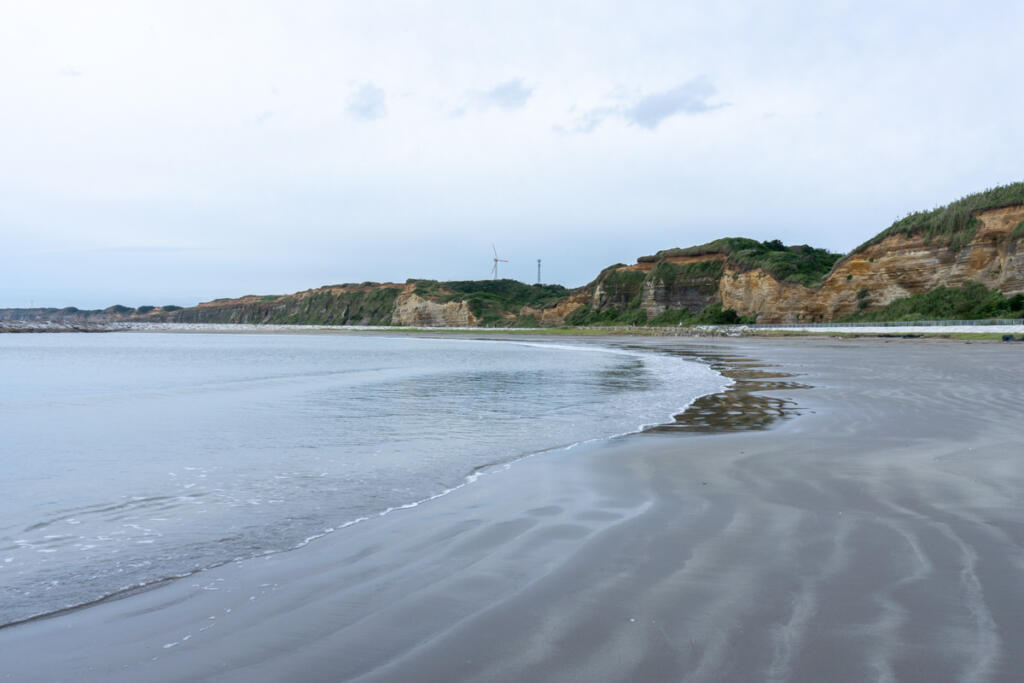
{"points": [[689, 98], [367, 103], [507, 95]]}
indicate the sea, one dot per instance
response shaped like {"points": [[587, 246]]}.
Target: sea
{"points": [[131, 458]]}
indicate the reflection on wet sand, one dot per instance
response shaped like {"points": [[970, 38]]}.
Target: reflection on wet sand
{"points": [[743, 405]]}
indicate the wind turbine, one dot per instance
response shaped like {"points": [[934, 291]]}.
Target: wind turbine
{"points": [[494, 270]]}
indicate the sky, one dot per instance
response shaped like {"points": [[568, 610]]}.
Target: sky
{"points": [[175, 152]]}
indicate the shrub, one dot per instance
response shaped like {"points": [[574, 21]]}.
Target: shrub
{"points": [[526, 321], [863, 297], [611, 316], [716, 315], [972, 301]]}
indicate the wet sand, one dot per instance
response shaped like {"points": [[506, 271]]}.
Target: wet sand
{"points": [[850, 510]]}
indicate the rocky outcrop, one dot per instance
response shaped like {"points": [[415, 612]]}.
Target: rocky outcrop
{"points": [[689, 282], [412, 310], [692, 289]]}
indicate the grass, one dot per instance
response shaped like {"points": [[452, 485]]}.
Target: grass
{"points": [[1018, 232], [955, 224]]}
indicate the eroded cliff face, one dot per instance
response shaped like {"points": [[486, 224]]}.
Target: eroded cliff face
{"points": [[755, 293], [673, 283], [412, 310], [900, 266], [554, 316], [894, 268], [694, 294]]}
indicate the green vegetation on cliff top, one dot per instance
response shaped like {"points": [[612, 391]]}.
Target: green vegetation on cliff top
{"points": [[953, 225], [800, 264]]}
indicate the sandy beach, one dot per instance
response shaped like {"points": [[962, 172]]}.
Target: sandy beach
{"points": [[849, 510]]}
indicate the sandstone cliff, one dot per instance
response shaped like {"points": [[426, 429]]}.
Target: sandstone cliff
{"points": [[412, 310], [556, 314], [989, 250], [895, 267]]}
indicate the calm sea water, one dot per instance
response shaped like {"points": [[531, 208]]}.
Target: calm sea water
{"points": [[130, 458]]}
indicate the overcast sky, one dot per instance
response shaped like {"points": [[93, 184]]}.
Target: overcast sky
{"points": [[173, 152]]}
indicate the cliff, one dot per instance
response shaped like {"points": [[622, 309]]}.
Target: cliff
{"points": [[976, 239], [412, 310], [894, 267], [680, 285], [948, 247]]}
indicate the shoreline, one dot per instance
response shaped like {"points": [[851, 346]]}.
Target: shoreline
{"points": [[468, 479], [877, 536]]}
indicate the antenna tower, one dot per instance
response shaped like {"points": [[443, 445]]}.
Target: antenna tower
{"points": [[538, 271]]}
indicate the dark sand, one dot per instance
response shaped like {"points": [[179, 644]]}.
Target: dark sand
{"points": [[875, 535]]}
